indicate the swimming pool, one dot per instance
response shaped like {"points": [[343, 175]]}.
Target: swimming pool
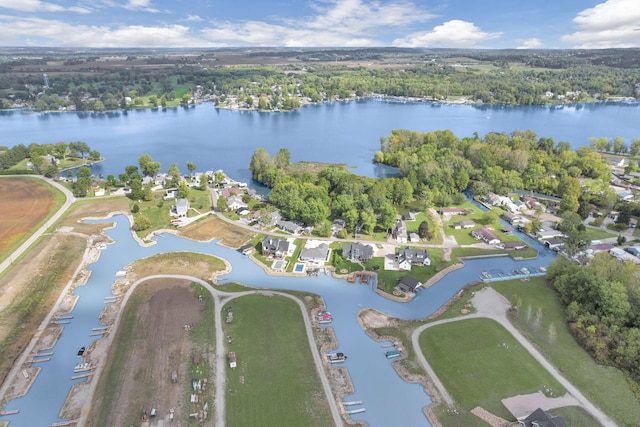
{"points": [[298, 268]]}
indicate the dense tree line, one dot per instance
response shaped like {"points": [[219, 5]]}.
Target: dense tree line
{"points": [[439, 165], [603, 308]]}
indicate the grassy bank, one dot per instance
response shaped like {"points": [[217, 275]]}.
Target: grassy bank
{"points": [[487, 365], [605, 386], [276, 382]]}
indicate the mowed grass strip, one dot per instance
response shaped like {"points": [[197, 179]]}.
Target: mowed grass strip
{"points": [[276, 381], [605, 386], [480, 363]]}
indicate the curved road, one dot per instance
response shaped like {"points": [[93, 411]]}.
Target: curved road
{"points": [[219, 299], [490, 304], [70, 198]]}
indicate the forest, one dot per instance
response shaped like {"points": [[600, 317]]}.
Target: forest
{"points": [[97, 82], [603, 308], [434, 168]]}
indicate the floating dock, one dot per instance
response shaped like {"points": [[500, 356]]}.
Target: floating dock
{"points": [[11, 412], [354, 402], [98, 333], [64, 316], [44, 359], [61, 322], [356, 411], [43, 354], [64, 423], [80, 376], [101, 328]]}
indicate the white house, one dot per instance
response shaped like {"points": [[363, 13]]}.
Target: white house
{"points": [[182, 207]]}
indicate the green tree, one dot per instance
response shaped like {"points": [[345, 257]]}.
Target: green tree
{"points": [[191, 167], [221, 204], [141, 223], [183, 190]]}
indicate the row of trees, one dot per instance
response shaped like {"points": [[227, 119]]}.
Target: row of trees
{"points": [[603, 308]]}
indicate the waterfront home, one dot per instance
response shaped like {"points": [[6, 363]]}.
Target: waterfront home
{"points": [[272, 247], [512, 218], [486, 235], [531, 202], [548, 234], [492, 199], [540, 418], [407, 257], [317, 255], [357, 252], [182, 207], [408, 284]]}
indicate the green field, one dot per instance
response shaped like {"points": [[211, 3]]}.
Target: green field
{"points": [[276, 381], [480, 363], [605, 386]]}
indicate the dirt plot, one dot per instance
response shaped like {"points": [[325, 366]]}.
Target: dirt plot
{"points": [[146, 351], [24, 203], [214, 228]]}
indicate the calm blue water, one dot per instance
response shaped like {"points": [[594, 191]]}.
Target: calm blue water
{"points": [[374, 379], [339, 132]]}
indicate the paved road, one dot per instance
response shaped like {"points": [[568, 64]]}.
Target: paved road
{"points": [[40, 231], [220, 298], [490, 304]]}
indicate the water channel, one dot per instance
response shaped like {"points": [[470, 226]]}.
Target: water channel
{"points": [[375, 381], [336, 132]]}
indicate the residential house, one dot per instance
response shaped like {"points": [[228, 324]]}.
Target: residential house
{"points": [[492, 199], [452, 211], [408, 284], [235, 202], [337, 225], [407, 257], [531, 202], [290, 227], [400, 232], [357, 252], [467, 223], [613, 215], [633, 223], [272, 247], [170, 194], [512, 246], [409, 216], [512, 218], [317, 255], [232, 191], [548, 234], [182, 207], [414, 238], [555, 243], [486, 235], [540, 418]]}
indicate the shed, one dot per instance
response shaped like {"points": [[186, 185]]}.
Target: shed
{"points": [[232, 359]]}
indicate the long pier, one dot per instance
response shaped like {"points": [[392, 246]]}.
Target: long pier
{"points": [[11, 412], [64, 423], [354, 402]]}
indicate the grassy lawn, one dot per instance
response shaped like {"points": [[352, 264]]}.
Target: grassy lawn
{"points": [[487, 365], [296, 254], [605, 386], [412, 227], [276, 382], [575, 416], [157, 210], [388, 279], [598, 233]]}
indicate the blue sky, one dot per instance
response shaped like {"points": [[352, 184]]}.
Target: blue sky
{"points": [[321, 23]]}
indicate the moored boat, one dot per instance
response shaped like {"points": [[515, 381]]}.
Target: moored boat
{"points": [[392, 354], [81, 351], [337, 357], [324, 317]]}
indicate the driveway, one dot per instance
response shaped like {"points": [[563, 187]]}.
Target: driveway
{"points": [[490, 304]]}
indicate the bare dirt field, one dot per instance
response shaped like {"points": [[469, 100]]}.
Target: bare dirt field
{"points": [[95, 208], [24, 203], [214, 228], [151, 343]]}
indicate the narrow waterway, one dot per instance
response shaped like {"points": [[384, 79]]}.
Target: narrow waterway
{"points": [[387, 398]]}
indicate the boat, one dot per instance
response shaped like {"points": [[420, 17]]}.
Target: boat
{"points": [[524, 271], [391, 354], [336, 357], [324, 317], [81, 351]]}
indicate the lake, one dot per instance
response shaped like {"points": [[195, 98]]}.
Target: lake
{"points": [[337, 132]]}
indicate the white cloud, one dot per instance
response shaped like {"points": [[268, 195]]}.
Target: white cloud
{"points": [[193, 18], [39, 6], [609, 24], [337, 23], [57, 33], [454, 33], [532, 43]]}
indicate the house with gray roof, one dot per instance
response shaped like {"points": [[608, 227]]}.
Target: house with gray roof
{"points": [[357, 252], [408, 284], [486, 235], [182, 207], [317, 255], [272, 247], [407, 257], [540, 418], [290, 227]]}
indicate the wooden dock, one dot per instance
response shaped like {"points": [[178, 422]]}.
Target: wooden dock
{"points": [[98, 333], [354, 402], [64, 423], [11, 412], [44, 359], [80, 376], [43, 354], [356, 411]]}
